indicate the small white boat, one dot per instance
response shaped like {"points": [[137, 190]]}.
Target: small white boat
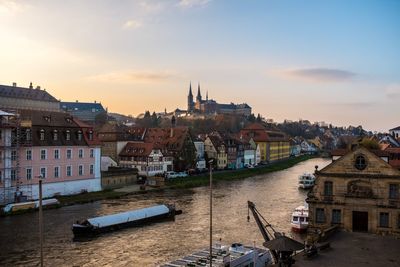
{"points": [[235, 255], [299, 221], [30, 205], [306, 180]]}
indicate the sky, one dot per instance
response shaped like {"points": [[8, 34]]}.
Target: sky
{"points": [[333, 61]]}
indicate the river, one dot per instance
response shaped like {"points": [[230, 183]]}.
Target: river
{"points": [[275, 195]]}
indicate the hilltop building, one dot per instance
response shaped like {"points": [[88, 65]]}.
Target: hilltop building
{"points": [[210, 106], [86, 112], [14, 98]]}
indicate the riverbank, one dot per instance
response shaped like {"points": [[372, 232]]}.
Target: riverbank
{"points": [[203, 180], [179, 183]]}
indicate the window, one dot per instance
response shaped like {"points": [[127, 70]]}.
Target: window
{"points": [[28, 174], [69, 153], [29, 155], [80, 170], [13, 175], [92, 153], [56, 172], [43, 172], [336, 216], [384, 219], [41, 135], [360, 163], [320, 215], [67, 135], [328, 188], [56, 154], [55, 135], [28, 135], [80, 153], [69, 171], [14, 155], [393, 191], [91, 168], [90, 135], [79, 135], [43, 154]]}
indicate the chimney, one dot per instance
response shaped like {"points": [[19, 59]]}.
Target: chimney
{"points": [[38, 87], [30, 86], [14, 84], [95, 101], [76, 101]]}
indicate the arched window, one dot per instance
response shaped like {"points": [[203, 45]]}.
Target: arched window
{"points": [[41, 134], [79, 135], [360, 163], [67, 135], [55, 135]]}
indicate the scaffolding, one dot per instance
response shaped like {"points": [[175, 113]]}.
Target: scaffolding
{"points": [[14, 142]]}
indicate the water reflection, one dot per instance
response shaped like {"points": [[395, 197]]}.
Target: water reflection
{"points": [[275, 195]]}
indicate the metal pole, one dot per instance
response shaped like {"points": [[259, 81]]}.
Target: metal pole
{"points": [[211, 214], [41, 222]]}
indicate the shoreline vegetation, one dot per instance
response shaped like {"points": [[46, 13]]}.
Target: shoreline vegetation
{"points": [[179, 183]]}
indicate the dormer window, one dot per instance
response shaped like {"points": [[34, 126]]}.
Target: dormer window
{"points": [[47, 118], [42, 135], [67, 135], [55, 135], [28, 135], [90, 135], [79, 135], [68, 119]]}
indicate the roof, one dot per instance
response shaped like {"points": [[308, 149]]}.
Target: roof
{"points": [[136, 149], [3, 113], [395, 129], [75, 106], [26, 93], [115, 219], [343, 151]]}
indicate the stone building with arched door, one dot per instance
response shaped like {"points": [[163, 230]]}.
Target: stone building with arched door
{"points": [[359, 192]]}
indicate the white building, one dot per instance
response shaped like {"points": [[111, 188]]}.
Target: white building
{"points": [[146, 158]]}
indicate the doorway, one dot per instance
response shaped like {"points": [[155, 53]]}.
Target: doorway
{"points": [[360, 221]]}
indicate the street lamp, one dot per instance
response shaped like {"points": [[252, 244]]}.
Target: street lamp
{"points": [[40, 219], [210, 166]]}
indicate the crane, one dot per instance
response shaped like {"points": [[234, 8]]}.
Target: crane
{"points": [[267, 234]]}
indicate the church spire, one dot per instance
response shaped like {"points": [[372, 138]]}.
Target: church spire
{"points": [[190, 89], [207, 96], [190, 102], [198, 93]]}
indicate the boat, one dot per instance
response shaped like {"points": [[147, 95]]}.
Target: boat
{"points": [[235, 255], [306, 180], [15, 207], [299, 221], [107, 223]]}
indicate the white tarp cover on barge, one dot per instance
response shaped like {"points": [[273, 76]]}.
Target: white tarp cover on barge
{"points": [[128, 216]]}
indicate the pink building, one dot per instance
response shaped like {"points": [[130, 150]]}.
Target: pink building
{"points": [[52, 146]]}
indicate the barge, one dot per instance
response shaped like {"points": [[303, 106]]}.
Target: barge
{"points": [[236, 255], [108, 223]]}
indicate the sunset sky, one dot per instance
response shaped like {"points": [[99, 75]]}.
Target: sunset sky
{"points": [[336, 61]]}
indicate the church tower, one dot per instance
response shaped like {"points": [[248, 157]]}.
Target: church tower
{"points": [[190, 107], [198, 97]]}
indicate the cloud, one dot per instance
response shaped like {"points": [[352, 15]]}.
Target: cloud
{"points": [[393, 90], [134, 76], [151, 6], [192, 3], [132, 24], [12, 7], [320, 74]]}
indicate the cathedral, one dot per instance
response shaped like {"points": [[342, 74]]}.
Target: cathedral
{"points": [[210, 106]]}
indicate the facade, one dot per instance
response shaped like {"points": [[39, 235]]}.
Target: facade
{"points": [[14, 98], [395, 132], [359, 192], [86, 112], [216, 150], [274, 145], [210, 106], [52, 146], [146, 158]]}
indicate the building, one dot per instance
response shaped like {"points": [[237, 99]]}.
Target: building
{"points": [[395, 132], [13, 98], [210, 106], [359, 192], [274, 145], [215, 149], [146, 157], [47, 145], [87, 112]]}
